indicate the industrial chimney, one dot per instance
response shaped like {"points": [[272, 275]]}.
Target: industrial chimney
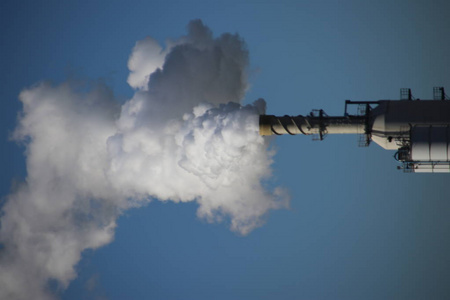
{"points": [[418, 129]]}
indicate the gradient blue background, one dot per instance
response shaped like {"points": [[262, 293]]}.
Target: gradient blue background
{"points": [[357, 228]]}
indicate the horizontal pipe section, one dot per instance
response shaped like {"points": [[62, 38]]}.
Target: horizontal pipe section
{"points": [[269, 125]]}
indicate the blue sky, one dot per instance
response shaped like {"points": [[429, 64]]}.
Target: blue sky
{"points": [[357, 227]]}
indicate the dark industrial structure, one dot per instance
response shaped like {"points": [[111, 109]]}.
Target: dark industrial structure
{"points": [[419, 130]]}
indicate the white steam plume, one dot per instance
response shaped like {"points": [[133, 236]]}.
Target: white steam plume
{"points": [[182, 137], [146, 58]]}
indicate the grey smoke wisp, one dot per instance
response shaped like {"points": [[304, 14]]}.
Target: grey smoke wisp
{"points": [[183, 136]]}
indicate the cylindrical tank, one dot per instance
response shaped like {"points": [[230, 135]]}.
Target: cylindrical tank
{"points": [[430, 143], [391, 121]]}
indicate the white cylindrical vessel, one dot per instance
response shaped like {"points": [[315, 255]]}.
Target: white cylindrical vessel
{"points": [[430, 143]]}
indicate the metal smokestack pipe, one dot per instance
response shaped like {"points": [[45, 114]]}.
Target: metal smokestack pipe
{"points": [[418, 130], [320, 124]]}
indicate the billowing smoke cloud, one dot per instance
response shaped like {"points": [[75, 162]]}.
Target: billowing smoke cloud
{"points": [[184, 136], [146, 58]]}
